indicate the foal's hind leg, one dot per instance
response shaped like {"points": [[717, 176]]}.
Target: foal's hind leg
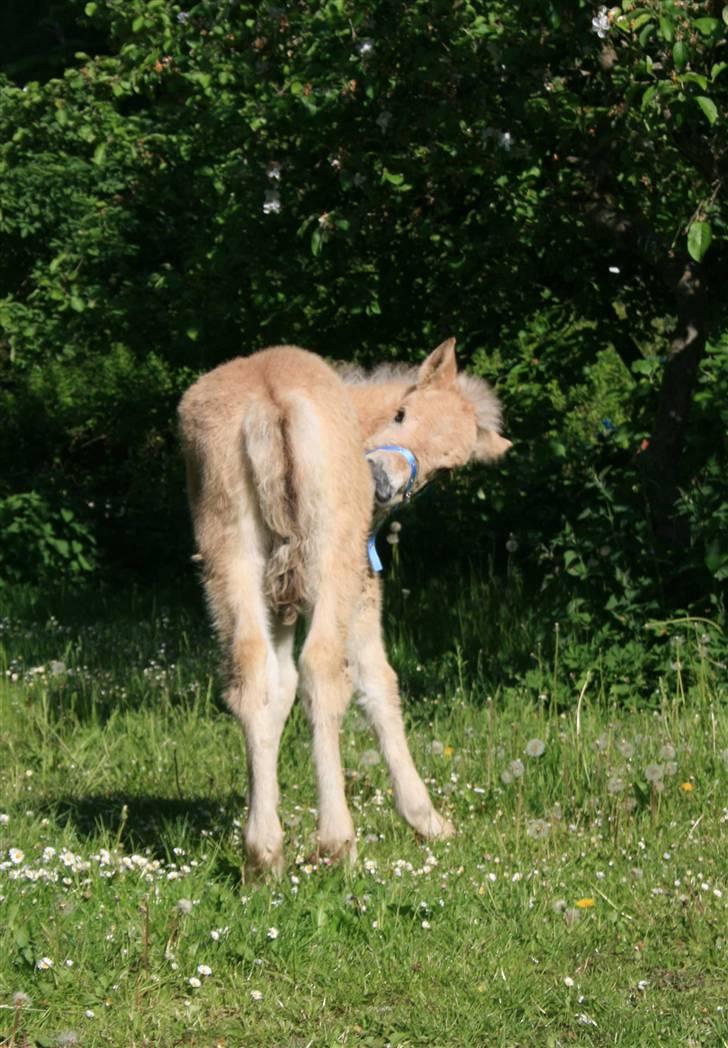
{"points": [[326, 691], [260, 693], [378, 694]]}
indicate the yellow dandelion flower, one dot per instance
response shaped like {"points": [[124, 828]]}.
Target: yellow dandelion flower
{"points": [[585, 904], [687, 787], [448, 751]]}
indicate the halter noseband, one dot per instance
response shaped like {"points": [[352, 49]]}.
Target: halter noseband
{"points": [[374, 561]]}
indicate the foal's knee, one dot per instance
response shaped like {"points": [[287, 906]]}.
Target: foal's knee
{"points": [[247, 662], [325, 677]]}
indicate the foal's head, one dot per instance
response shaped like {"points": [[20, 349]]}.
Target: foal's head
{"points": [[444, 419]]}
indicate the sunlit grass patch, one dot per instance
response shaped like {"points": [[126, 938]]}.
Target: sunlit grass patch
{"points": [[583, 899]]}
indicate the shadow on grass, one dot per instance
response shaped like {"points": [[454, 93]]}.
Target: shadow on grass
{"points": [[152, 825]]}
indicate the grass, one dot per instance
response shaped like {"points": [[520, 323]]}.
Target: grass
{"points": [[582, 902]]}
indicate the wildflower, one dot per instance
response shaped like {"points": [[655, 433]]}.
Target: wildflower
{"points": [[90, 1013], [194, 982], [184, 906], [615, 784], [448, 751], [21, 1000], [365, 47], [687, 787], [511, 544], [559, 905], [538, 829], [256, 995], [272, 202], [44, 964], [273, 171], [505, 141], [516, 768], [534, 748], [182, 17], [600, 24], [615, 270], [654, 773], [272, 933], [437, 748], [426, 925], [16, 855], [57, 668], [506, 777], [668, 752], [585, 904], [369, 758], [626, 749], [204, 969], [568, 981], [4, 819]]}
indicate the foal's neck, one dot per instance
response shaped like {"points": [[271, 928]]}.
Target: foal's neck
{"points": [[376, 403]]}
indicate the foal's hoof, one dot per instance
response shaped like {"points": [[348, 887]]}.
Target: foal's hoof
{"points": [[263, 860], [337, 851], [436, 827]]}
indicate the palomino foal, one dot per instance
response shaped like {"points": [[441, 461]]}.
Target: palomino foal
{"points": [[282, 496]]}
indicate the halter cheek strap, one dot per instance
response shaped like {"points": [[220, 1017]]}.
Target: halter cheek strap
{"points": [[374, 561]]}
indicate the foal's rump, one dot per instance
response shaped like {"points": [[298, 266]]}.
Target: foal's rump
{"points": [[276, 475]]}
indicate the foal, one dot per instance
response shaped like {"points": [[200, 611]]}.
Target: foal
{"points": [[281, 496]]}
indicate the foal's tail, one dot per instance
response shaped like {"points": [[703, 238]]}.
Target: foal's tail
{"points": [[268, 446]]}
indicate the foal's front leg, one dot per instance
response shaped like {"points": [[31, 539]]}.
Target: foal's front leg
{"points": [[378, 693]]}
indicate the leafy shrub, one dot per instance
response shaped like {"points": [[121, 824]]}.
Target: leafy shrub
{"points": [[41, 544]]}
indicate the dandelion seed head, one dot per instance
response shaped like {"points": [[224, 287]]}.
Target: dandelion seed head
{"points": [[535, 747]]}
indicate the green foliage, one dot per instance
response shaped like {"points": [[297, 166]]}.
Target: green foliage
{"points": [[196, 183], [42, 544]]}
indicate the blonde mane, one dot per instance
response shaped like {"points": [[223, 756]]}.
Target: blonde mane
{"points": [[476, 390]]}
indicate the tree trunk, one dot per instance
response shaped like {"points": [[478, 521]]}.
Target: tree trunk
{"points": [[660, 460]]}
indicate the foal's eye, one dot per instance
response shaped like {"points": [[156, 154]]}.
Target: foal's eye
{"points": [[399, 417]]}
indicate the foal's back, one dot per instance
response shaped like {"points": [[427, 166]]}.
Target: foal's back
{"points": [[276, 476]]}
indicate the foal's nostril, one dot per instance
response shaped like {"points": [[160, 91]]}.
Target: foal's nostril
{"points": [[383, 487]]}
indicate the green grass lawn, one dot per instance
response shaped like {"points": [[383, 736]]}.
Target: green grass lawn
{"points": [[582, 902]]}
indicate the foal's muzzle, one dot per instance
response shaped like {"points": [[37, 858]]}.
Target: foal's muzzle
{"points": [[384, 490], [394, 470]]}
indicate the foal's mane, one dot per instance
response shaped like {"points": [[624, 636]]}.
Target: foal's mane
{"points": [[474, 389]]}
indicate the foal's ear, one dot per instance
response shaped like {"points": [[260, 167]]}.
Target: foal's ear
{"points": [[490, 446], [440, 369]]}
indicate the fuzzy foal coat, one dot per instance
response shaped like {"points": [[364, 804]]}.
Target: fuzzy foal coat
{"points": [[281, 497]]}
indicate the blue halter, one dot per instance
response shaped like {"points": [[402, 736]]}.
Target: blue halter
{"points": [[374, 561]]}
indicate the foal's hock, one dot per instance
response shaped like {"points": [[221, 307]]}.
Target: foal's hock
{"points": [[287, 462]]}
